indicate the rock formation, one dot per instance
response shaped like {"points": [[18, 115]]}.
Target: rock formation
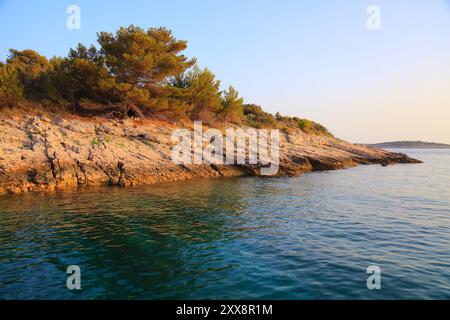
{"points": [[45, 152]]}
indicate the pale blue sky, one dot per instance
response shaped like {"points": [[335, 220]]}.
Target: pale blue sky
{"points": [[313, 59]]}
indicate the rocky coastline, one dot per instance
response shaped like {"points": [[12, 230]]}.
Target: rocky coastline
{"points": [[47, 152]]}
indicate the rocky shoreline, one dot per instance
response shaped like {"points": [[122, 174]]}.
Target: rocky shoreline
{"points": [[47, 152]]}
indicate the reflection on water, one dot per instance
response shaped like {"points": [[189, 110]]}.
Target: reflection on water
{"points": [[310, 237]]}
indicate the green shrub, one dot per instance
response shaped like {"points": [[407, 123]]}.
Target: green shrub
{"points": [[11, 88], [33, 70], [200, 92], [311, 127], [232, 106], [255, 117]]}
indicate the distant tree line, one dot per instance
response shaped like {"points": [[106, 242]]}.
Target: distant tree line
{"points": [[133, 73]]}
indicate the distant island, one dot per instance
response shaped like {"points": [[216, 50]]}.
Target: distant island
{"points": [[410, 145]]}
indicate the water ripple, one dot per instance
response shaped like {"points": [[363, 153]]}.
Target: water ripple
{"points": [[310, 237]]}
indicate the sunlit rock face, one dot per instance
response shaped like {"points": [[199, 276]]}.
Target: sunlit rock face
{"points": [[44, 152]]}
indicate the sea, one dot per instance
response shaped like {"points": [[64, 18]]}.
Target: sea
{"points": [[317, 236]]}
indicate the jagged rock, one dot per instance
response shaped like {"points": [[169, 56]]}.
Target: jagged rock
{"points": [[39, 154], [59, 121]]}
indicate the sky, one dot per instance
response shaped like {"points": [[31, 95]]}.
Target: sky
{"points": [[311, 59]]}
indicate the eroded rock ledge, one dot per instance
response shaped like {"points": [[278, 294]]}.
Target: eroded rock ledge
{"points": [[47, 152]]}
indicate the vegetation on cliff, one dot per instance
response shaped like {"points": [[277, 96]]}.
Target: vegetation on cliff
{"points": [[132, 73]]}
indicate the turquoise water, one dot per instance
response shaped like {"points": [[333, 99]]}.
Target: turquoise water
{"points": [[310, 237]]}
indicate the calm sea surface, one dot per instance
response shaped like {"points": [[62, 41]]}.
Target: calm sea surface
{"points": [[310, 237]]}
